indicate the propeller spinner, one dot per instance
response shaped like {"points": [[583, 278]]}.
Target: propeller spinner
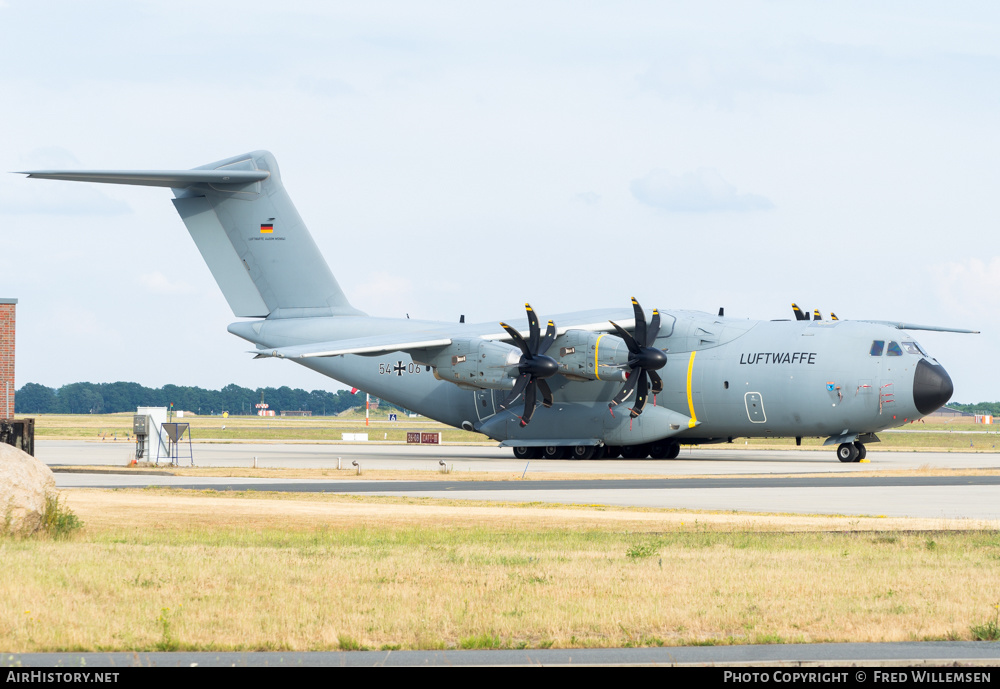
{"points": [[644, 360], [534, 367]]}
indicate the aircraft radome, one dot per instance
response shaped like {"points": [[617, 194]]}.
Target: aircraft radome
{"points": [[608, 382]]}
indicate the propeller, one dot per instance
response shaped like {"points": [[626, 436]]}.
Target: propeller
{"points": [[801, 315], [534, 367], [643, 360]]}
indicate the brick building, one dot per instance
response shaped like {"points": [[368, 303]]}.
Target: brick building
{"points": [[7, 307]]}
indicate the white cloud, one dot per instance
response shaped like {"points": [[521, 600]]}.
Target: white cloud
{"points": [[588, 197], [701, 191], [971, 286], [158, 283]]}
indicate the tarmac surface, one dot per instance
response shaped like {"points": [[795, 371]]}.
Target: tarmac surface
{"points": [[730, 479], [955, 654]]}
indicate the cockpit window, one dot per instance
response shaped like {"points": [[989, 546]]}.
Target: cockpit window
{"points": [[913, 348], [894, 349], [877, 347]]}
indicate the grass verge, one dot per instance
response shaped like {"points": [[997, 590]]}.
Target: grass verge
{"points": [[155, 570]]}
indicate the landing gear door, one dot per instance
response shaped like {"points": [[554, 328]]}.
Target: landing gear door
{"points": [[755, 407]]}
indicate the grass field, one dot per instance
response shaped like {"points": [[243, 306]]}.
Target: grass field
{"points": [[161, 570]]}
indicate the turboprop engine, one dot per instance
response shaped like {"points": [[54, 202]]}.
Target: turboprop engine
{"points": [[584, 355], [477, 363]]}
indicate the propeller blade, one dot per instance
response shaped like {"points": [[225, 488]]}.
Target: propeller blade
{"points": [[817, 316], [533, 330], [657, 382], [626, 390], [640, 323], [518, 340], [529, 404], [640, 399], [654, 328], [629, 341], [799, 315], [519, 386], [546, 392], [833, 316], [550, 336]]}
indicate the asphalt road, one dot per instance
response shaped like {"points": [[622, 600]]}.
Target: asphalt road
{"points": [[777, 656]]}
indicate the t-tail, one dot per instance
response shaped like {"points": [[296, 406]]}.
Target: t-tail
{"points": [[248, 231]]}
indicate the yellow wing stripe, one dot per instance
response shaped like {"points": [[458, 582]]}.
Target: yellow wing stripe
{"points": [[694, 420]]}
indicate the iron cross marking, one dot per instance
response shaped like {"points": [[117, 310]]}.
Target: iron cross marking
{"points": [[399, 368]]}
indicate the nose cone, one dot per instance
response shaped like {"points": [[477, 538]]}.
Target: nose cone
{"points": [[932, 387]]}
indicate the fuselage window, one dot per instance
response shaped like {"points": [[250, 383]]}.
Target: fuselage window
{"points": [[894, 349], [877, 347], [913, 348]]}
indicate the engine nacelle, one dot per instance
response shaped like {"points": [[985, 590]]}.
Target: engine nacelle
{"points": [[478, 363], [584, 355]]}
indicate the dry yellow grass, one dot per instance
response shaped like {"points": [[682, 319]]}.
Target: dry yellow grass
{"points": [[157, 569]]}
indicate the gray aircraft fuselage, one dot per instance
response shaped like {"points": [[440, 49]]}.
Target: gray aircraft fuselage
{"points": [[724, 378]]}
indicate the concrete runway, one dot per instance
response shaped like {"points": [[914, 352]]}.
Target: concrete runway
{"points": [[928, 497]]}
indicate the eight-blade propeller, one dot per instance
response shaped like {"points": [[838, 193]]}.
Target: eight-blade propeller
{"points": [[534, 367], [643, 360]]}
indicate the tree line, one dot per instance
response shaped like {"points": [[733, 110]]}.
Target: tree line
{"points": [[988, 407], [108, 398]]}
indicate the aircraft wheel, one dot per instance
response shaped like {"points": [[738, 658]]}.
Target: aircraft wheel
{"points": [[612, 451], [862, 451], [600, 452], [553, 452], [581, 452], [674, 449], [527, 452], [846, 452], [658, 449], [635, 451]]}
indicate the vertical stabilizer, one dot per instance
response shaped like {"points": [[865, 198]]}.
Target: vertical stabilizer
{"points": [[249, 233], [257, 246]]}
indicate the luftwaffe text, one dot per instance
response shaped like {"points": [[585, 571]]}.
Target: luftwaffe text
{"points": [[778, 358]]}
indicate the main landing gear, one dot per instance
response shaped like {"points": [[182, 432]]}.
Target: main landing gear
{"points": [[660, 449], [851, 452]]}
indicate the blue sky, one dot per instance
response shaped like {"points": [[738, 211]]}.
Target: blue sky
{"points": [[462, 158]]}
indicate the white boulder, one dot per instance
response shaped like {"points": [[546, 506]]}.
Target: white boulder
{"points": [[25, 483]]}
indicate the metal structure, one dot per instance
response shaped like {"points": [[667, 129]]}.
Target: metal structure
{"points": [[175, 433]]}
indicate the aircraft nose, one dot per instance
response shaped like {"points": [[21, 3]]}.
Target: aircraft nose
{"points": [[932, 387]]}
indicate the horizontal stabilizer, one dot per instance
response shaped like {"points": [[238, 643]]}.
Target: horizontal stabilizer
{"points": [[175, 179]]}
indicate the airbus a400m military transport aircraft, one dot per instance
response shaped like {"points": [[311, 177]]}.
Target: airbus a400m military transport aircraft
{"points": [[607, 381]]}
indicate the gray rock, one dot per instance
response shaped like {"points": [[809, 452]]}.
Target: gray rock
{"points": [[25, 483]]}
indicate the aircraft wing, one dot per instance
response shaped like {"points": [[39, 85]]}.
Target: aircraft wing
{"points": [[406, 342], [365, 346], [914, 326]]}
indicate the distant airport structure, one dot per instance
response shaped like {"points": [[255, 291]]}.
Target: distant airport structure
{"points": [[7, 308]]}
